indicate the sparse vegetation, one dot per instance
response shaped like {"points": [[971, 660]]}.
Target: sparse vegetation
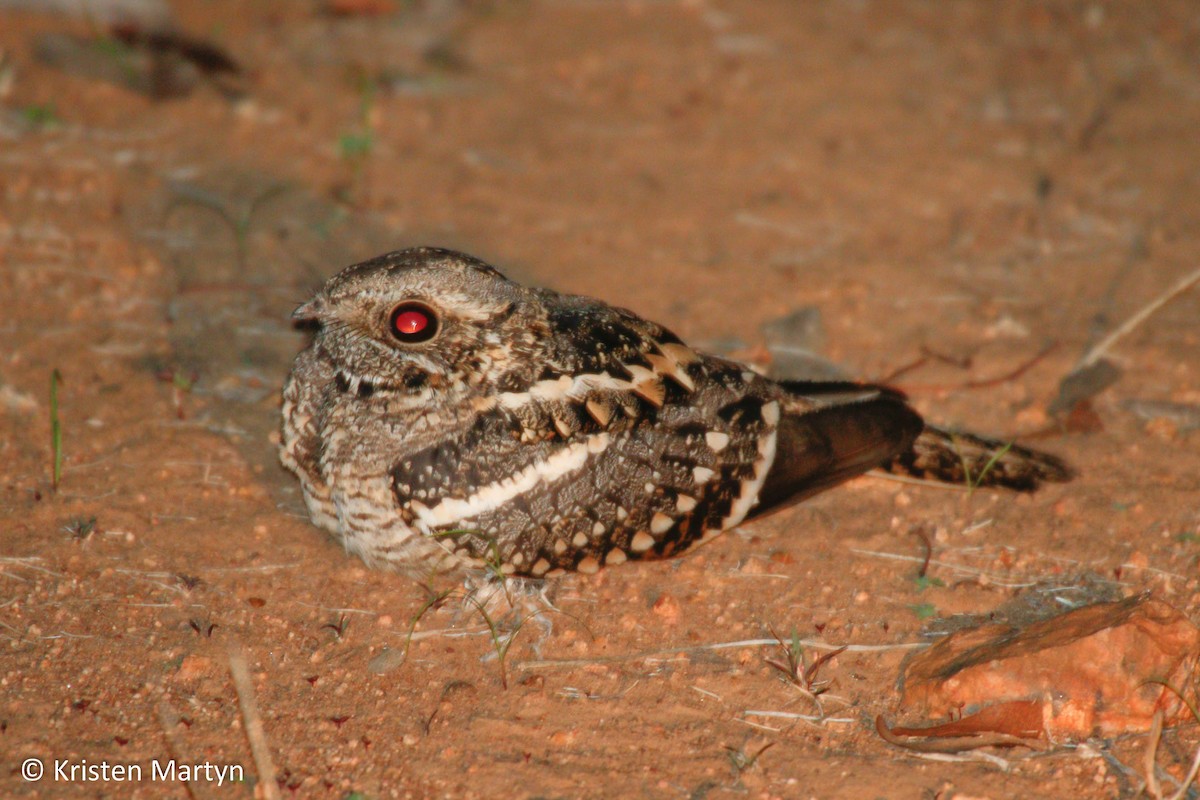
{"points": [[355, 146], [502, 634], [740, 760], [987, 468], [796, 669], [924, 610], [338, 626], [203, 627], [81, 527], [502, 640], [182, 382], [41, 115], [924, 582], [493, 562], [922, 578], [239, 221], [974, 481]]}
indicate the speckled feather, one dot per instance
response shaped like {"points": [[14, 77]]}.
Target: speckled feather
{"points": [[542, 432]]}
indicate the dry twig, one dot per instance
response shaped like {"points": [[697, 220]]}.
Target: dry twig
{"points": [[1144, 313], [168, 719], [1153, 788], [253, 722], [674, 651]]}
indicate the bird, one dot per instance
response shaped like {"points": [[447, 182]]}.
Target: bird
{"points": [[446, 417]]}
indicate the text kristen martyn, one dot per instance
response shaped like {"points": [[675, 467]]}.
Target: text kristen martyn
{"points": [[66, 770]]}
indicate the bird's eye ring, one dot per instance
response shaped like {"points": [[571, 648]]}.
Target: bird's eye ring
{"points": [[411, 323]]}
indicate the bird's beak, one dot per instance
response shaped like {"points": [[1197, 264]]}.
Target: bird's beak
{"points": [[310, 311]]}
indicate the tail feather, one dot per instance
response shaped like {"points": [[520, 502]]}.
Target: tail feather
{"points": [[832, 431], [974, 461]]}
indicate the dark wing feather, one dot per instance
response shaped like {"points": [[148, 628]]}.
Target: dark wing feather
{"points": [[831, 432], [592, 336]]}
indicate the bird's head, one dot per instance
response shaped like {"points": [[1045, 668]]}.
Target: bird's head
{"points": [[424, 319]]}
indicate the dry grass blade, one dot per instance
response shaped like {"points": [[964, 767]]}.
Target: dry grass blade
{"points": [[502, 641], [960, 569], [434, 600], [797, 671], [923, 535], [55, 430], [810, 674], [168, 719], [817, 644], [741, 761], [1152, 785], [1144, 313], [793, 715], [911, 481], [1195, 768], [1003, 764], [253, 722], [25, 562], [1191, 776]]}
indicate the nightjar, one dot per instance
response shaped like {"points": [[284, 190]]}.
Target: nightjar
{"points": [[446, 416]]}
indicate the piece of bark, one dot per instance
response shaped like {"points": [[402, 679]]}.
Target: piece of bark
{"points": [[1090, 668], [1084, 383], [1011, 724]]}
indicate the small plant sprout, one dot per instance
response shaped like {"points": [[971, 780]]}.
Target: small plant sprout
{"points": [[81, 527], [435, 600], [796, 670], [239, 221], [924, 582], [355, 146], [922, 579], [182, 382], [973, 482], [41, 116], [202, 627], [338, 627], [501, 640], [188, 582], [924, 610], [740, 760], [493, 563], [119, 53], [502, 631]]}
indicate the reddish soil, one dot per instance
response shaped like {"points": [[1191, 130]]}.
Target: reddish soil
{"points": [[976, 178]]}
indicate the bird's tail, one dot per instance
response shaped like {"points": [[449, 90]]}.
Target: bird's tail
{"points": [[831, 432], [856, 427], [975, 461]]}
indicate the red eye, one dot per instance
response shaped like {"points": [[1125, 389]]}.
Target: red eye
{"points": [[413, 322]]}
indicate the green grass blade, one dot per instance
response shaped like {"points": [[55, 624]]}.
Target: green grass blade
{"points": [[55, 429]]}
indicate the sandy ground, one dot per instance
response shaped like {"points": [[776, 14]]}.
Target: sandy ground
{"points": [[976, 179]]}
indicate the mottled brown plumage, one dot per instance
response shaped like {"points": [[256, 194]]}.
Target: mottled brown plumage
{"points": [[445, 416]]}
